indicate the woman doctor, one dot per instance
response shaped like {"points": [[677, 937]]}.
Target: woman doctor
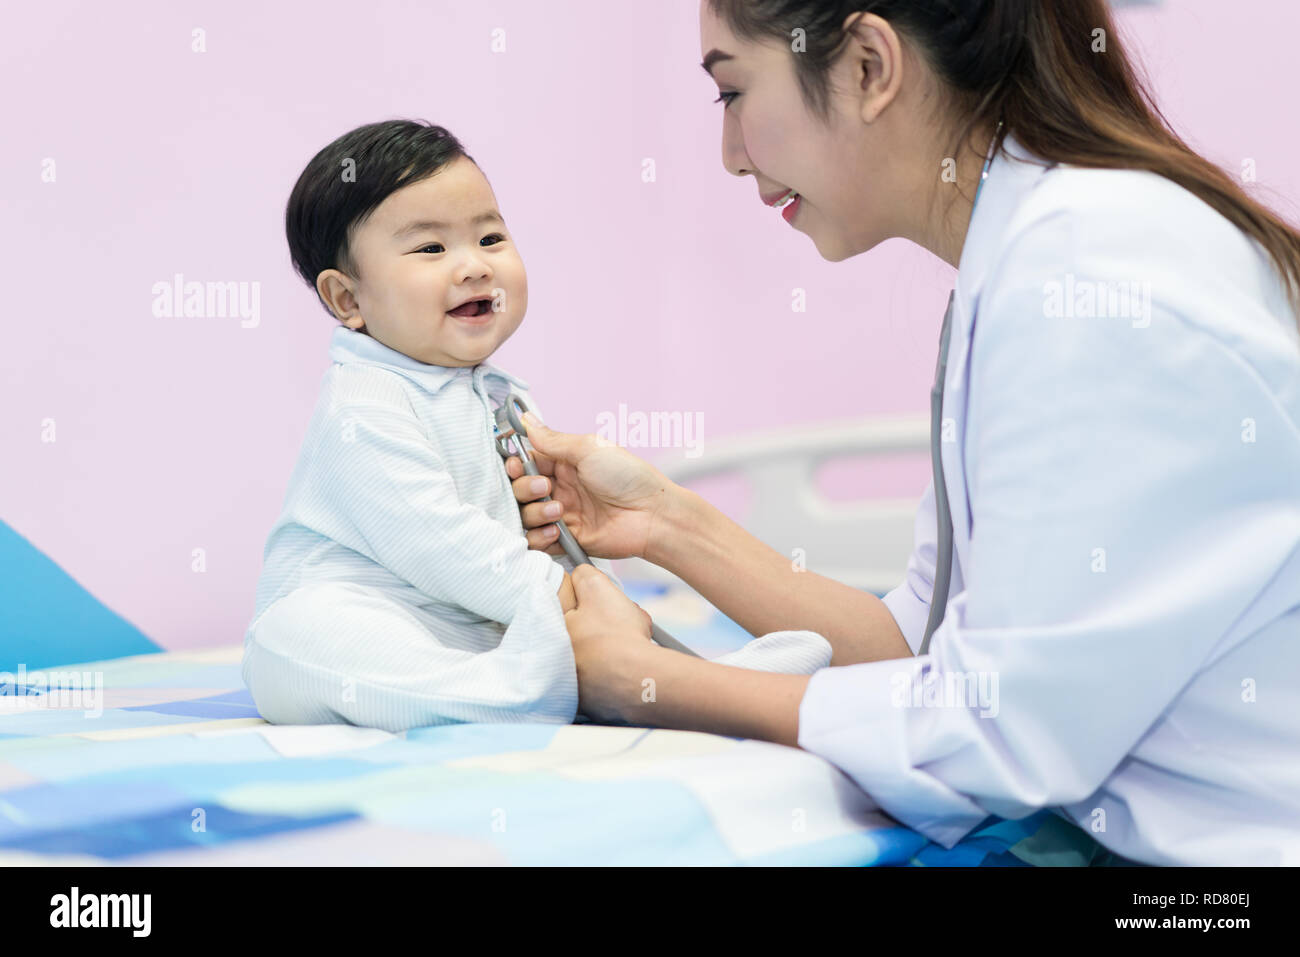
{"points": [[1117, 518]]}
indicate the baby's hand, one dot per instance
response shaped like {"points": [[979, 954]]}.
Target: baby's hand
{"points": [[568, 600]]}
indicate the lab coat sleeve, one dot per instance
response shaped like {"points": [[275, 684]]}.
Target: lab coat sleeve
{"points": [[382, 489], [1119, 526]]}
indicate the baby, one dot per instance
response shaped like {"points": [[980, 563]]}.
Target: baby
{"points": [[397, 587]]}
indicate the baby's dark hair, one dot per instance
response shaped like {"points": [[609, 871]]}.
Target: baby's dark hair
{"points": [[347, 180]]}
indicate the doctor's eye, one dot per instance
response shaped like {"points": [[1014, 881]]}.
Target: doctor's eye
{"points": [[726, 98], [497, 236]]}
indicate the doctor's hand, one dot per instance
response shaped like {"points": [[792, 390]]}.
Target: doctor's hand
{"points": [[611, 646], [612, 501]]}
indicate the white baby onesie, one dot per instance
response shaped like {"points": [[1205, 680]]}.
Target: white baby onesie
{"points": [[397, 587]]}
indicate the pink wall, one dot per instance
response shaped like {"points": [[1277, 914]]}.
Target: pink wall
{"points": [[174, 434]]}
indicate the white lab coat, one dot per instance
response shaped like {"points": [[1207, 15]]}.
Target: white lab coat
{"points": [[1125, 495]]}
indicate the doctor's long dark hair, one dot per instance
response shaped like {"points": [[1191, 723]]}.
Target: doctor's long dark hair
{"points": [[1031, 64]]}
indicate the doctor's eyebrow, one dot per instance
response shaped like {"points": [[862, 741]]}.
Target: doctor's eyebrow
{"points": [[423, 224], [712, 57]]}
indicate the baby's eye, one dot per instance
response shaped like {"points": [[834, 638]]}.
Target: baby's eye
{"points": [[430, 246], [497, 236]]}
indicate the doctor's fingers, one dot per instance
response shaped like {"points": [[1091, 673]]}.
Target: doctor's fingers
{"points": [[545, 464], [545, 539], [529, 488], [540, 514]]}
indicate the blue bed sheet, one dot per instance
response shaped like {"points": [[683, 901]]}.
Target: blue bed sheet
{"points": [[170, 763]]}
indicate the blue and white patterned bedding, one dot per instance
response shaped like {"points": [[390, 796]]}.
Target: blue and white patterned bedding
{"points": [[178, 768]]}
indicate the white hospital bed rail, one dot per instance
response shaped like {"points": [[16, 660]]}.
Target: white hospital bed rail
{"points": [[863, 543]]}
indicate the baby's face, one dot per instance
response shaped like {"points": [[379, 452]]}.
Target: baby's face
{"points": [[425, 250]]}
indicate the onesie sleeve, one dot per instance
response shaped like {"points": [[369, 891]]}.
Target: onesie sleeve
{"points": [[380, 487]]}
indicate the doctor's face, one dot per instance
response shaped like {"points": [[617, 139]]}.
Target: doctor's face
{"points": [[835, 167], [424, 251]]}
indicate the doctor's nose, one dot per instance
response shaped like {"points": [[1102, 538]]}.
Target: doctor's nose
{"points": [[734, 157]]}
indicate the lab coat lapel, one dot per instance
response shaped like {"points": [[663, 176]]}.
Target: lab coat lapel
{"points": [[1009, 182]]}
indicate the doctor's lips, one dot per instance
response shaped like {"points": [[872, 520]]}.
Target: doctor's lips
{"points": [[788, 202], [477, 308]]}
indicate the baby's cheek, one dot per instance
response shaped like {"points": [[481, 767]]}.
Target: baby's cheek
{"points": [[519, 303]]}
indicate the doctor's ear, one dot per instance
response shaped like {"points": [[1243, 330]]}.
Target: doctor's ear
{"points": [[875, 57]]}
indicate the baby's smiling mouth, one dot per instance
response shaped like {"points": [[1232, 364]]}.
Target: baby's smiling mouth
{"points": [[472, 308]]}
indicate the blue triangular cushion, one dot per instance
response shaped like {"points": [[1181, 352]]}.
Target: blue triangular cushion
{"points": [[46, 618]]}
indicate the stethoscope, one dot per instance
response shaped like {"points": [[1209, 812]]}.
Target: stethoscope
{"points": [[942, 513], [509, 428]]}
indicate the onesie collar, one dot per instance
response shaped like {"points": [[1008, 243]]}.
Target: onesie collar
{"points": [[348, 345]]}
